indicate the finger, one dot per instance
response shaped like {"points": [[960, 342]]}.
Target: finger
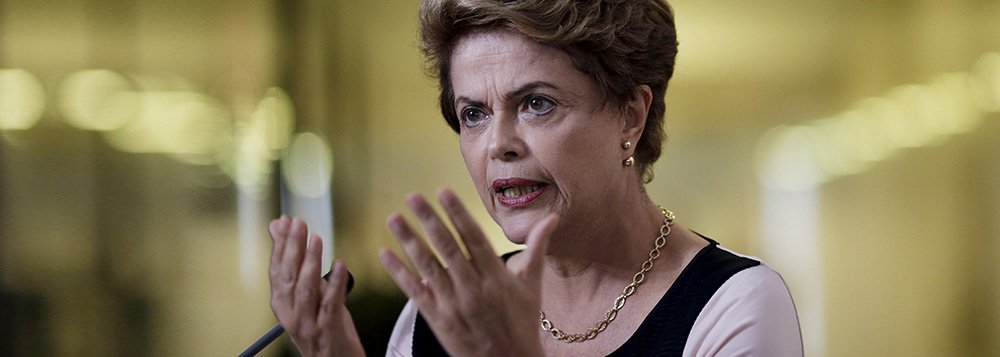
{"points": [[406, 279], [278, 230], [481, 253], [537, 244], [423, 259], [280, 284], [334, 293], [294, 253], [441, 237], [308, 280]]}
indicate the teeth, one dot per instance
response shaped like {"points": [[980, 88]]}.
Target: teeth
{"points": [[520, 190]]}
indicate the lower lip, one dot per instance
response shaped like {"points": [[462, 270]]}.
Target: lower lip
{"points": [[519, 201]]}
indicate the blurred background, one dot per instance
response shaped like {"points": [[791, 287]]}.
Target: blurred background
{"points": [[145, 145]]}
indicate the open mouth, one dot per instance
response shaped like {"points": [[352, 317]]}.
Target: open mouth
{"points": [[517, 192]]}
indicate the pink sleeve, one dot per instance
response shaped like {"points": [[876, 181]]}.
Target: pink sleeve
{"points": [[752, 314], [401, 341]]}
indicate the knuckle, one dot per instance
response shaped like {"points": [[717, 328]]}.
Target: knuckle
{"points": [[286, 277], [331, 310], [420, 292], [279, 297], [450, 249], [327, 309], [432, 269]]}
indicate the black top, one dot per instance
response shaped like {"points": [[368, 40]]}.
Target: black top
{"points": [[665, 330]]}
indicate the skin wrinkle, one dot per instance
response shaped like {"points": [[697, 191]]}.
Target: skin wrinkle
{"points": [[606, 148], [592, 210], [576, 151], [618, 44]]}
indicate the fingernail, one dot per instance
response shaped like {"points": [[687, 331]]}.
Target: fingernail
{"points": [[447, 197], [394, 223], [383, 255]]}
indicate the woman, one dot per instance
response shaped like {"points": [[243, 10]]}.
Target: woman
{"points": [[559, 107]]}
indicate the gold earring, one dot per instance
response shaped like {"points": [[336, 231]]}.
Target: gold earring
{"points": [[629, 161], [626, 145]]}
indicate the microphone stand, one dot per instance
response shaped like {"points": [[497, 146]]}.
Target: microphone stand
{"points": [[277, 330]]}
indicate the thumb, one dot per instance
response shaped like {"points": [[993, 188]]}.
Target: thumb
{"points": [[537, 246]]}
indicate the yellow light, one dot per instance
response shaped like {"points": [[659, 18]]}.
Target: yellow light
{"points": [[986, 77], [259, 141], [786, 159], [250, 168], [91, 100], [22, 99], [864, 137], [909, 116], [308, 166], [958, 111], [835, 148], [274, 117], [191, 127], [918, 119]]}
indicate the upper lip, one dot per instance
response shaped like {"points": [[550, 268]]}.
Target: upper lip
{"points": [[502, 183]]}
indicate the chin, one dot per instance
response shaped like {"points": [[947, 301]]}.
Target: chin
{"points": [[518, 223], [516, 230]]}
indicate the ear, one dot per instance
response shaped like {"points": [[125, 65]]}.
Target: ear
{"points": [[636, 113]]}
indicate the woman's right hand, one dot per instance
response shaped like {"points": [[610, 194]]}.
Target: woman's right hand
{"points": [[477, 305], [311, 309]]}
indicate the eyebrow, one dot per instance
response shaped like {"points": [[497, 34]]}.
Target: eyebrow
{"points": [[519, 92]]}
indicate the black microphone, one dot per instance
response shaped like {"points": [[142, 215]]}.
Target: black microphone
{"points": [[277, 330]]}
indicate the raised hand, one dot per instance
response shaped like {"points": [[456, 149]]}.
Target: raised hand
{"points": [[476, 306], [311, 309]]}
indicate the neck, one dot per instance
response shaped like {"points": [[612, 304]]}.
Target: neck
{"points": [[595, 249]]}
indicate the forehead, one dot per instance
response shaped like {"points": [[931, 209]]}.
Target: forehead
{"points": [[501, 60]]}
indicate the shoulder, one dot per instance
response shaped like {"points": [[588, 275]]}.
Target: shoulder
{"points": [[752, 313], [401, 341]]}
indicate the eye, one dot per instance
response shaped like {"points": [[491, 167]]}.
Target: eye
{"points": [[538, 105], [473, 116]]}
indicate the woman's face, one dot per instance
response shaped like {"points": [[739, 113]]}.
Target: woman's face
{"points": [[535, 134]]}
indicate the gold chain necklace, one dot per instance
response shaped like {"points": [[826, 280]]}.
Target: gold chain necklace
{"points": [[668, 220]]}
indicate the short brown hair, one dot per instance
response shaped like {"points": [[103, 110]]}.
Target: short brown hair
{"points": [[619, 44]]}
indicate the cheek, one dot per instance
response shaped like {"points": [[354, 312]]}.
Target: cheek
{"points": [[579, 158], [581, 148], [475, 163], [472, 153]]}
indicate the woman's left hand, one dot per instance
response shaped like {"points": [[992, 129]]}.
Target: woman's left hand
{"points": [[311, 310], [476, 306]]}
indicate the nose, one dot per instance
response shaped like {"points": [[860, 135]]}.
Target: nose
{"points": [[506, 142]]}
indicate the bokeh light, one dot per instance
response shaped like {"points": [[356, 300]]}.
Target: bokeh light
{"points": [[273, 117], [22, 99], [144, 146], [259, 141], [97, 99], [308, 166], [987, 82], [188, 126], [918, 128], [909, 116], [787, 158]]}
